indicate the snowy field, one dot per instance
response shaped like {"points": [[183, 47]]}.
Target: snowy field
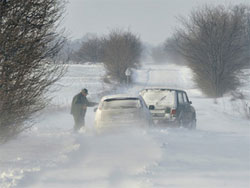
{"points": [[215, 155]]}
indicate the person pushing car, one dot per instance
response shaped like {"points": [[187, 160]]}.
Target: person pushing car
{"points": [[79, 107]]}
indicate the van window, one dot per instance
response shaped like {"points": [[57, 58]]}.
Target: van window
{"points": [[185, 99], [180, 98], [159, 97]]}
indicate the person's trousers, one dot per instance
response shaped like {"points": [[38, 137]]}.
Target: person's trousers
{"points": [[79, 122]]}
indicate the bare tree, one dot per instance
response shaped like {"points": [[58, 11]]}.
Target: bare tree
{"points": [[214, 42], [27, 67], [121, 50], [91, 50], [172, 53]]}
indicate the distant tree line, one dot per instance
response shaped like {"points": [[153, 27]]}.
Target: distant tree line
{"points": [[118, 51], [213, 41], [91, 50]]}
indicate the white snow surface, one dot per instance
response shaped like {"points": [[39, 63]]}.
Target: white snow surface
{"points": [[215, 155]]}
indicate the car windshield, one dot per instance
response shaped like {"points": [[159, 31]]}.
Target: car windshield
{"points": [[159, 97], [121, 103]]}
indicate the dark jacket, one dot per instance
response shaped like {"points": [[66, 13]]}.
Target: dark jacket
{"points": [[78, 103]]}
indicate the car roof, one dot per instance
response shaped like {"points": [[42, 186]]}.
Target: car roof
{"points": [[161, 88], [119, 96]]}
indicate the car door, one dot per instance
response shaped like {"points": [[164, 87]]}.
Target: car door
{"points": [[188, 107], [180, 106], [183, 107]]}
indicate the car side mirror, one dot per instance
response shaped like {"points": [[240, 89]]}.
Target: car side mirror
{"points": [[190, 102], [95, 109], [151, 107]]}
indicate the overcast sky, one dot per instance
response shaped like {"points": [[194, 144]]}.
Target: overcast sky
{"points": [[152, 20]]}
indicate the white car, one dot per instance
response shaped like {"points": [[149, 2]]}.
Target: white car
{"points": [[122, 110]]}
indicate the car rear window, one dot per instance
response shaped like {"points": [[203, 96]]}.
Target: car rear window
{"points": [[121, 103], [159, 97]]}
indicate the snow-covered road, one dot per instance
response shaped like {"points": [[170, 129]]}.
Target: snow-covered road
{"points": [[217, 154]]}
